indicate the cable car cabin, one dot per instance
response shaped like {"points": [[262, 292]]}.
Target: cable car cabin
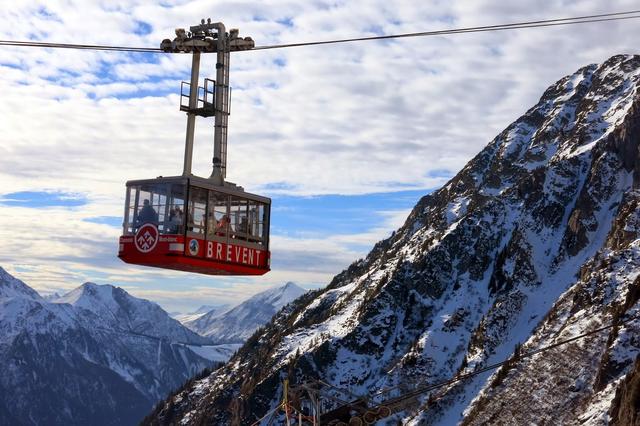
{"points": [[189, 224]]}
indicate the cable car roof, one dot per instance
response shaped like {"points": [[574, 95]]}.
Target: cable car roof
{"points": [[228, 188]]}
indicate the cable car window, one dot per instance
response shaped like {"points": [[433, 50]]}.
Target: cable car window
{"points": [[160, 205], [264, 224], [238, 216], [217, 214], [152, 203], [132, 211], [263, 227], [197, 210], [147, 204], [257, 221], [175, 220]]}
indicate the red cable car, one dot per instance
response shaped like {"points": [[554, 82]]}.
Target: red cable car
{"points": [[190, 223]]}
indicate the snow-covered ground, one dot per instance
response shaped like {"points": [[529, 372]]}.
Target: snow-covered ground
{"points": [[218, 353]]}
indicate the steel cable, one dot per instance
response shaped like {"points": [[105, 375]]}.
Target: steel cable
{"points": [[586, 19]]}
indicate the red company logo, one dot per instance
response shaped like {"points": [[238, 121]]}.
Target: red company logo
{"points": [[146, 238]]}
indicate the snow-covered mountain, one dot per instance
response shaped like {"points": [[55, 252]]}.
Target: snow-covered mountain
{"points": [[118, 310], [534, 241], [52, 296], [96, 356], [202, 310], [238, 324], [13, 287]]}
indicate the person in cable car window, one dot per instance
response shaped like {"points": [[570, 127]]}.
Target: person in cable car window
{"points": [[179, 219], [190, 222], [222, 225], [175, 220], [211, 224], [243, 226], [147, 214], [171, 222]]}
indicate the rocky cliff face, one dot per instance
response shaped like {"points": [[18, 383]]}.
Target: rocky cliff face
{"points": [[534, 241], [91, 358]]}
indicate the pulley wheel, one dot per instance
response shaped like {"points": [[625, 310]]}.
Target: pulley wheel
{"points": [[370, 417], [384, 411]]}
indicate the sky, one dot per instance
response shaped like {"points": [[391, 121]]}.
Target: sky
{"points": [[345, 138]]}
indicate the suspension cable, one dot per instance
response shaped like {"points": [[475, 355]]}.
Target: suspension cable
{"points": [[500, 27], [79, 46], [586, 19]]}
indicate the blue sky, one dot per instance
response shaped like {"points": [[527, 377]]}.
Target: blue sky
{"points": [[344, 138], [42, 199], [294, 216]]}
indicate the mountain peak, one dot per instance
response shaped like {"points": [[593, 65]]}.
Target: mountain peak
{"points": [[203, 309], [238, 323], [292, 285], [573, 117], [98, 289], [13, 287], [280, 296], [89, 295], [122, 310]]}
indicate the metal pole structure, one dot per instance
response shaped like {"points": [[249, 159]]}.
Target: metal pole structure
{"points": [[221, 103], [316, 401], [285, 400], [202, 39], [191, 116]]}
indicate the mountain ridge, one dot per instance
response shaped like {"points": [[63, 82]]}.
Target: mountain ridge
{"points": [[66, 365], [535, 231], [122, 311], [11, 287], [237, 324]]}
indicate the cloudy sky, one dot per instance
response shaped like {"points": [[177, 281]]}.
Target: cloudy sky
{"points": [[344, 138]]}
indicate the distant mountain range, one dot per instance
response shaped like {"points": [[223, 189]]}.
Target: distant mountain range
{"points": [[202, 310], [118, 310], [99, 356], [223, 325], [95, 356]]}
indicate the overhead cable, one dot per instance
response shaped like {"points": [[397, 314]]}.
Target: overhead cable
{"points": [[78, 46], [635, 14], [587, 19]]}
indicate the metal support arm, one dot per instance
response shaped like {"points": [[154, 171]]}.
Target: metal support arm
{"points": [[202, 38]]}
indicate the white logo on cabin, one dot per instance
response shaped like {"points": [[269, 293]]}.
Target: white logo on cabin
{"points": [[146, 238]]}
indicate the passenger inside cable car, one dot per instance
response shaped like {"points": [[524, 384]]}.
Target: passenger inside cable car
{"points": [[146, 215]]}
